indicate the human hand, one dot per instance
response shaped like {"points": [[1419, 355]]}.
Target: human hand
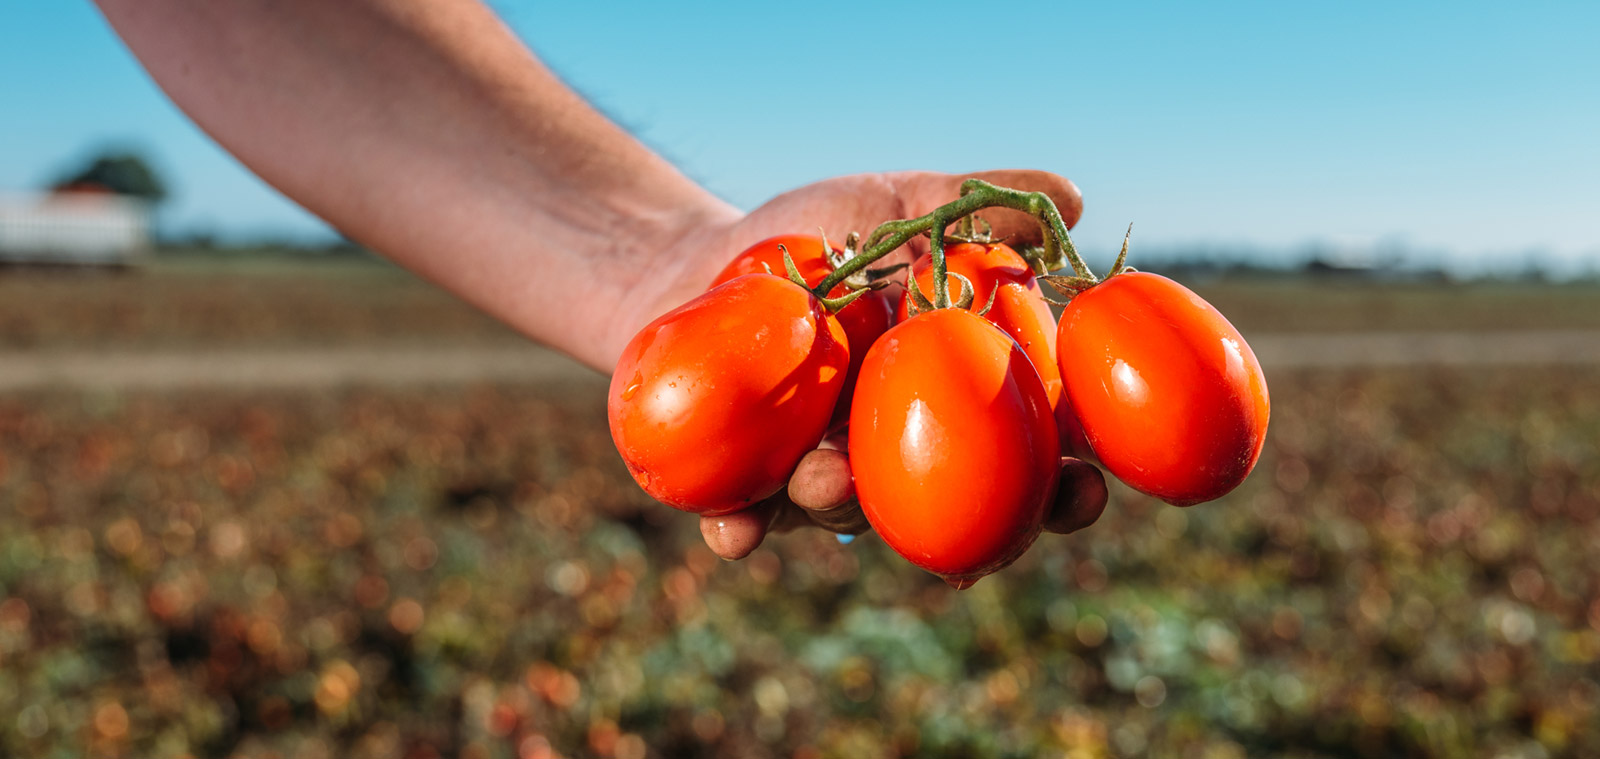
{"points": [[821, 492]]}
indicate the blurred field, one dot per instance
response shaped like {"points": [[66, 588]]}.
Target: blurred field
{"points": [[1309, 305], [468, 571], [187, 301], [183, 301]]}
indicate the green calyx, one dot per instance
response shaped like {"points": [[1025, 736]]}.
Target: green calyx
{"points": [[872, 279], [832, 304], [920, 302], [1072, 286]]}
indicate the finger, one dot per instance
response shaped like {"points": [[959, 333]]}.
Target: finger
{"points": [[734, 536], [824, 493], [1080, 497], [845, 520], [822, 481]]}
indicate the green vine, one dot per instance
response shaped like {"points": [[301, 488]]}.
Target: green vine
{"points": [[976, 195]]}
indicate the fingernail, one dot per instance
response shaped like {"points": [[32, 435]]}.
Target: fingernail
{"points": [[845, 539]]}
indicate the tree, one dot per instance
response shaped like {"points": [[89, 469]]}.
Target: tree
{"points": [[123, 173]]}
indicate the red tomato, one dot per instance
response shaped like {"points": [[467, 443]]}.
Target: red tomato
{"points": [[1019, 310], [713, 404], [952, 445], [863, 320], [1170, 396]]}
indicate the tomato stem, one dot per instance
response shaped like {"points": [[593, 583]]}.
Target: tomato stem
{"points": [[976, 195], [1058, 248], [832, 304], [941, 274]]}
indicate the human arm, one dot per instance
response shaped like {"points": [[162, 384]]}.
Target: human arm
{"points": [[428, 132]]}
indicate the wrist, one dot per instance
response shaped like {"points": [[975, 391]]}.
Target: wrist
{"points": [[658, 261]]}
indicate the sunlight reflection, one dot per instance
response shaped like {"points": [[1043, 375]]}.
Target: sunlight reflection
{"points": [[1129, 386]]}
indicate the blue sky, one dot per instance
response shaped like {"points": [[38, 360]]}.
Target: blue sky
{"points": [[1463, 132]]}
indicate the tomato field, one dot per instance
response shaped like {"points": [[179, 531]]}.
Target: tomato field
{"points": [[469, 570]]}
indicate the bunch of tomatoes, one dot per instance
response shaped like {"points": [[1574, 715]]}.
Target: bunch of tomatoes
{"points": [[960, 399]]}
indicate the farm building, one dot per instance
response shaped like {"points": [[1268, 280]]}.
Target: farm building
{"points": [[74, 226]]}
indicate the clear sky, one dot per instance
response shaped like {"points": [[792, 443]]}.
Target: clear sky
{"points": [[1464, 131]]}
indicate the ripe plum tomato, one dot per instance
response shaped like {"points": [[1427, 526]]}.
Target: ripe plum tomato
{"points": [[953, 445], [863, 319], [713, 404], [1019, 310], [1170, 396]]}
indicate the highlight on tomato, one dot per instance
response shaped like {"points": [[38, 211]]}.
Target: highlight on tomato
{"points": [[1171, 397], [713, 404], [864, 320], [953, 445]]}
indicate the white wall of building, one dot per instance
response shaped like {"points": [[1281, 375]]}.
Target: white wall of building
{"points": [[73, 228]]}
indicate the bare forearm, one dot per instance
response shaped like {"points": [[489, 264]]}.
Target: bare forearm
{"points": [[427, 131]]}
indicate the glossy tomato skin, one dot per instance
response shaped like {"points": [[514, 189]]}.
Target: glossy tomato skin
{"points": [[1019, 310], [863, 320], [1171, 397], [713, 404], [953, 445]]}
